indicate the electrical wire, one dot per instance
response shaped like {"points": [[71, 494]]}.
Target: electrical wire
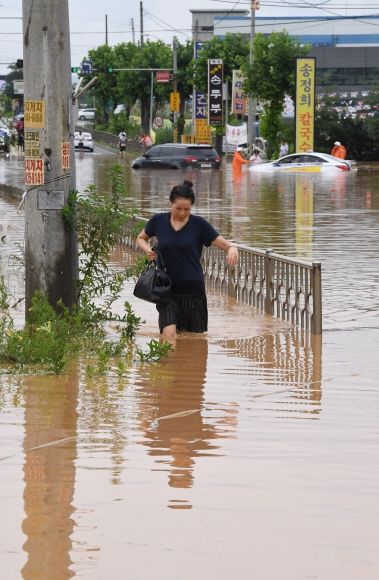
{"points": [[152, 16], [226, 15], [283, 4]]}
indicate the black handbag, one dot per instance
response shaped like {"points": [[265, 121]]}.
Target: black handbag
{"points": [[154, 285]]}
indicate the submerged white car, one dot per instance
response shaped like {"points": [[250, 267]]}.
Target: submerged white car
{"points": [[87, 143], [312, 162]]}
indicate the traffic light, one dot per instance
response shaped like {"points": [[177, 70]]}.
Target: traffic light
{"points": [[75, 69], [19, 63], [105, 69]]}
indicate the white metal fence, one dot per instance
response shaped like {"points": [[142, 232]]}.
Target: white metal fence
{"points": [[284, 287]]}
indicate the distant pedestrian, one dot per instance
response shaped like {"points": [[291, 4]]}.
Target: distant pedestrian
{"points": [[339, 150], [80, 139], [283, 150], [20, 141], [255, 158], [122, 139], [238, 160], [148, 142]]}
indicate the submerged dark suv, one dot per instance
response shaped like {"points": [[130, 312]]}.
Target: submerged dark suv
{"points": [[176, 156]]}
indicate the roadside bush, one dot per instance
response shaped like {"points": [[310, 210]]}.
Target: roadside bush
{"points": [[121, 122], [164, 135], [51, 335]]}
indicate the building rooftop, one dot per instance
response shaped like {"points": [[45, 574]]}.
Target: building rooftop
{"points": [[219, 11]]}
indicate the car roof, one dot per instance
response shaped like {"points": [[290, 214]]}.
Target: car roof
{"points": [[190, 145], [83, 133]]}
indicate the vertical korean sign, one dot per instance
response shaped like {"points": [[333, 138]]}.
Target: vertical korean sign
{"points": [[215, 83], [202, 129], [305, 103], [33, 164], [239, 100]]}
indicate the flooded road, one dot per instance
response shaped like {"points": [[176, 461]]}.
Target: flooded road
{"points": [[252, 452]]}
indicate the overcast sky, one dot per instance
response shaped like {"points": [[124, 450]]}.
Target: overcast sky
{"points": [[162, 19]]}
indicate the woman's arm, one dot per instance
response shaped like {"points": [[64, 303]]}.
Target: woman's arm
{"points": [[142, 240], [230, 249]]}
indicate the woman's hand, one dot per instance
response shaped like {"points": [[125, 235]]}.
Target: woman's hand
{"points": [[142, 240], [232, 256], [151, 255], [229, 248]]}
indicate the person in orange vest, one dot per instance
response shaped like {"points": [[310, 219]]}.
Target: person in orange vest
{"points": [[238, 160], [339, 150]]}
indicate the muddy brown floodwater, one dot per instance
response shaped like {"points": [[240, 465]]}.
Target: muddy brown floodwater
{"points": [[252, 451]]}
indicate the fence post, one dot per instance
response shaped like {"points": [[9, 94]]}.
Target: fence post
{"points": [[231, 271], [269, 307], [317, 302]]}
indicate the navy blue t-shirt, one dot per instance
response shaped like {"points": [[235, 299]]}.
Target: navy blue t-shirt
{"points": [[181, 251]]}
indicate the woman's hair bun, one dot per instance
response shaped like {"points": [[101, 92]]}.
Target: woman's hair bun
{"points": [[188, 182]]}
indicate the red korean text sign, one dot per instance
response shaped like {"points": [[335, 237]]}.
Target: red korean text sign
{"points": [[34, 171], [305, 104], [66, 162], [239, 99]]}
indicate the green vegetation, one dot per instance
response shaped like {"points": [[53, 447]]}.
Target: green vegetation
{"points": [[55, 334], [271, 77], [130, 86]]}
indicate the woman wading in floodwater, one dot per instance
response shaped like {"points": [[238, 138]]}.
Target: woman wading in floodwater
{"points": [[181, 237]]}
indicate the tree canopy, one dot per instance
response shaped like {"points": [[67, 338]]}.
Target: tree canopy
{"points": [[131, 86], [272, 75], [234, 50]]}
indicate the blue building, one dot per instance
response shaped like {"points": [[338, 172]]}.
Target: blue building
{"points": [[346, 47]]}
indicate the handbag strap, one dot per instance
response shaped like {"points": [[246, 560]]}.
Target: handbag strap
{"points": [[158, 262]]}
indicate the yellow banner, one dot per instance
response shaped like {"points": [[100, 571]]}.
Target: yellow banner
{"points": [[34, 114], [174, 102], [203, 131], [188, 139], [31, 144], [305, 104]]}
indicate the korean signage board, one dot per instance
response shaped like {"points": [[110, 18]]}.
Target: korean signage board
{"points": [[203, 131], [215, 84], [174, 101], [34, 114], [188, 139], [18, 87], [236, 135], [32, 144], [66, 164], [162, 76], [87, 67], [239, 100], [201, 111], [305, 104], [34, 171]]}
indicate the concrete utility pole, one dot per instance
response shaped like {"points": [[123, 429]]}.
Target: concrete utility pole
{"points": [[50, 247], [141, 24], [106, 29], [252, 107], [133, 33]]}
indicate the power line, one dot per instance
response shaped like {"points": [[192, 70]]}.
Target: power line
{"points": [[283, 4], [165, 23]]}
